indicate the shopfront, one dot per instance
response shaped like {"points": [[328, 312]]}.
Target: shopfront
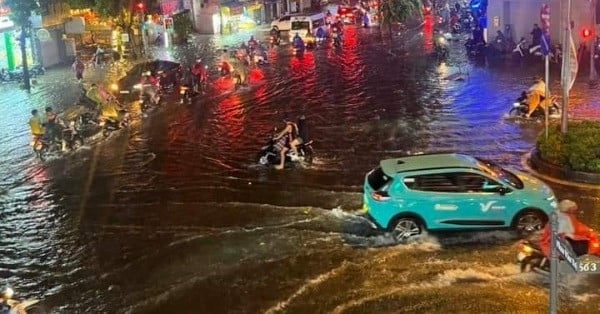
{"points": [[10, 48]]}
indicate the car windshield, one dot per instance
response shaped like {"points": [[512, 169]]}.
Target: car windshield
{"points": [[500, 173], [378, 179], [298, 25]]}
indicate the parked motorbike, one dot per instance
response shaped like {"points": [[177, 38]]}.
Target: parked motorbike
{"points": [[270, 153], [521, 108], [37, 69], [13, 306]]}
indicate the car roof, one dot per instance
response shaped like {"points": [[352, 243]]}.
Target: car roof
{"points": [[427, 162]]}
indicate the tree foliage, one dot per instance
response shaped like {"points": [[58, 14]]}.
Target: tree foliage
{"points": [[398, 11], [21, 10]]}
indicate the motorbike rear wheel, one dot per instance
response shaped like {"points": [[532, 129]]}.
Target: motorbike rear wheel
{"points": [[514, 113]]}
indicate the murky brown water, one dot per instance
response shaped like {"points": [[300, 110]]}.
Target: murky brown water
{"points": [[174, 215]]}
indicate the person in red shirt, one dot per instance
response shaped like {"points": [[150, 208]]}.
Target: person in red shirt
{"points": [[570, 228]]}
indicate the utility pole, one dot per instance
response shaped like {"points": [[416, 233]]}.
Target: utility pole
{"points": [[566, 70]]}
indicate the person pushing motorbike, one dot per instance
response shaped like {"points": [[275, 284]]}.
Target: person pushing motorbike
{"points": [[570, 228], [536, 95]]}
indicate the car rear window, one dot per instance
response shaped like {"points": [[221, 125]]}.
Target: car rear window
{"points": [[378, 179]]}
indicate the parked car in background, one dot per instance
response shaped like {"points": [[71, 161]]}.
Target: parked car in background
{"points": [[283, 23]]}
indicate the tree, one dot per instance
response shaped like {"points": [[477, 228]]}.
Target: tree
{"points": [[397, 11], [21, 11]]}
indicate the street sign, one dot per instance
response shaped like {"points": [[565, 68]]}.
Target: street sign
{"points": [[567, 253], [545, 44], [43, 34]]}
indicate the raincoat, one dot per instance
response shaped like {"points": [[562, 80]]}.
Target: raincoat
{"points": [[568, 227]]}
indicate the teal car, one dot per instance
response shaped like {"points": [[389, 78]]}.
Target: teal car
{"points": [[434, 192]]}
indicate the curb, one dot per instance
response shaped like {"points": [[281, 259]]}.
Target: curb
{"points": [[525, 163]]}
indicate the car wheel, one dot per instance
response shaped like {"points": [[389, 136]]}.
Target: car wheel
{"points": [[406, 227], [529, 221]]}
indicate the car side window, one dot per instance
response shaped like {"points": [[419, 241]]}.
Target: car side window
{"points": [[473, 182], [285, 18], [438, 182]]}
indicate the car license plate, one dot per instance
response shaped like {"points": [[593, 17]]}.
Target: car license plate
{"points": [[521, 256]]}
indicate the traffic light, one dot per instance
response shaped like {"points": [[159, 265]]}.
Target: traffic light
{"points": [[586, 33]]}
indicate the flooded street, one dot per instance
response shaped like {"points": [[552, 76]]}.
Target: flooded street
{"points": [[175, 216]]}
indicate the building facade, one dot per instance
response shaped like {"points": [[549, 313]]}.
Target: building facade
{"points": [[229, 16], [520, 15]]}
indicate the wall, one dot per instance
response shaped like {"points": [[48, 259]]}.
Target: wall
{"points": [[524, 13], [202, 13]]}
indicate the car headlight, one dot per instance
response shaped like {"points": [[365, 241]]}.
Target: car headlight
{"points": [[137, 86], [516, 104], [114, 87]]}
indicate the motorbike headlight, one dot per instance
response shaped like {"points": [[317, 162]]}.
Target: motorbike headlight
{"points": [[8, 293], [516, 104], [137, 86]]}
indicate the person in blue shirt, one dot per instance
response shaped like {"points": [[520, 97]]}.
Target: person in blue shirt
{"points": [[298, 42]]}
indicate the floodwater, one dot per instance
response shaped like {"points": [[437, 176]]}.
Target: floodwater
{"points": [[174, 215]]}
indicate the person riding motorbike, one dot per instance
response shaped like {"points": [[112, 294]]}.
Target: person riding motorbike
{"points": [[8, 306], [224, 63], [240, 69], [150, 86], [298, 43], [570, 228], [296, 134], [537, 93], [199, 73], [52, 128], [35, 125], [274, 33], [320, 34], [252, 43]]}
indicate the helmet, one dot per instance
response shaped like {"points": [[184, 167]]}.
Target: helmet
{"points": [[567, 206]]}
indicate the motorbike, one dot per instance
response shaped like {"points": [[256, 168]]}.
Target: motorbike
{"points": [[224, 68], [521, 108], [441, 48], [274, 40], [70, 140], [148, 101], [337, 40], [37, 69], [531, 258], [13, 306], [110, 125], [270, 154], [186, 94]]}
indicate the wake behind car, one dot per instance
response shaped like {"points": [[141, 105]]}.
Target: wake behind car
{"points": [[169, 73], [409, 195]]}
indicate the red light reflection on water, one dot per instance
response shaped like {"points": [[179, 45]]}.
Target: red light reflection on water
{"points": [[428, 34], [231, 116]]}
